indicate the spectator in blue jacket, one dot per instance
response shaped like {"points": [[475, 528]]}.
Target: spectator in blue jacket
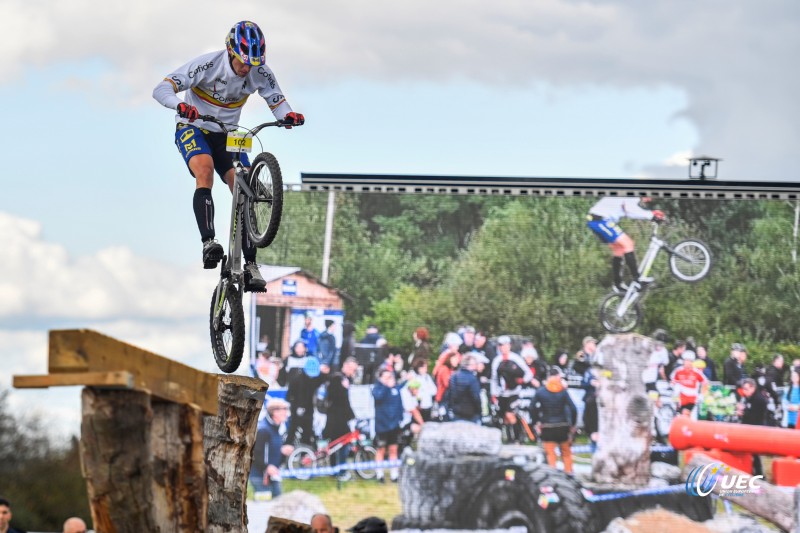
{"points": [[388, 417], [463, 396], [309, 335], [326, 348], [269, 449], [555, 415]]}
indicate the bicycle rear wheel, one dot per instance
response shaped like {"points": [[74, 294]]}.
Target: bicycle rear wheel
{"points": [[263, 211], [302, 457], [690, 261], [612, 322], [227, 339]]}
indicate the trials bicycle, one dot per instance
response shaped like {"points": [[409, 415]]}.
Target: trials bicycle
{"points": [[689, 261], [257, 201], [357, 449]]}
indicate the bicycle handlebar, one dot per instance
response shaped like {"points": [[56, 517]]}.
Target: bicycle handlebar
{"points": [[252, 131]]}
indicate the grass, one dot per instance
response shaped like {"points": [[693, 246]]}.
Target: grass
{"points": [[353, 500]]}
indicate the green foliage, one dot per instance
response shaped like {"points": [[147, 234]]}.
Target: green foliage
{"points": [[43, 482], [530, 266]]}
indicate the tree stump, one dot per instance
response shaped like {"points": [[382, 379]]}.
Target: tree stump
{"points": [[179, 469], [624, 410], [228, 440], [116, 459], [143, 463]]}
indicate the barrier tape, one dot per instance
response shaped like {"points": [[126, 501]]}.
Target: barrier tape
{"points": [[671, 489], [319, 471], [585, 448]]}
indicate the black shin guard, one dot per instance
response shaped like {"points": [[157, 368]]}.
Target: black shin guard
{"points": [[203, 204], [633, 267], [616, 270]]}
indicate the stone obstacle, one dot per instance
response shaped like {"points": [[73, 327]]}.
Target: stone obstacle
{"points": [[164, 447]]}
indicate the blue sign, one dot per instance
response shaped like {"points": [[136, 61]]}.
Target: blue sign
{"points": [[289, 287]]}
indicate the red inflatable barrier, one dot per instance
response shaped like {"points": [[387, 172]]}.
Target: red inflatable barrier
{"points": [[687, 433]]}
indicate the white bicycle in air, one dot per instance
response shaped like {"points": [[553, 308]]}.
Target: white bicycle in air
{"points": [[689, 261]]}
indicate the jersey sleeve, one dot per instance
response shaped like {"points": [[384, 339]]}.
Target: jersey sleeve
{"points": [[632, 210], [271, 92], [184, 77]]}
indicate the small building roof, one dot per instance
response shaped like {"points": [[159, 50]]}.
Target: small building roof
{"points": [[272, 272]]}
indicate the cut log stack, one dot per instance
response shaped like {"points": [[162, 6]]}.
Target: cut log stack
{"points": [[164, 447]]}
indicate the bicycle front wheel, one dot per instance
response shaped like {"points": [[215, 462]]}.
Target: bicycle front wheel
{"points": [[263, 210], [690, 261], [612, 321], [302, 457], [227, 339]]}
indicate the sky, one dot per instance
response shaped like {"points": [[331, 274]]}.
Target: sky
{"points": [[96, 219]]}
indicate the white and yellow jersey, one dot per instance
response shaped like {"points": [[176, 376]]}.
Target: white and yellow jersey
{"points": [[214, 89]]}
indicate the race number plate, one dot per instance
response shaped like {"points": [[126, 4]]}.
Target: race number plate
{"points": [[239, 141]]}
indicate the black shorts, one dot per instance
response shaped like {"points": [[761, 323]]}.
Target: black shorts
{"points": [[192, 141], [504, 403], [387, 438]]}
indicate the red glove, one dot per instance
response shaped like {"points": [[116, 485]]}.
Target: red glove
{"points": [[293, 119], [188, 111], [520, 381], [658, 215]]}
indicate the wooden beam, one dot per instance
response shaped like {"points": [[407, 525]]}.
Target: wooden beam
{"points": [[82, 350], [90, 379]]}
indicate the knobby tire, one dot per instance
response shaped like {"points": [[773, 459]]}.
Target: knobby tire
{"points": [[614, 324], [263, 213], [228, 341], [691, 247]]}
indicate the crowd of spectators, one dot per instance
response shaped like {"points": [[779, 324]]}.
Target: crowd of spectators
{"points": [[473, 377]]}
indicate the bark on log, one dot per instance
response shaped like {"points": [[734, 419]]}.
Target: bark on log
{"points": [[624, 411], [772, 503], [143, 463], [796, 510], [116, 459], [179, 468], [228, 442]]}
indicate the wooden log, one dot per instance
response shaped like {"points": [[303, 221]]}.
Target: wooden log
{"points": [[180, 495], [796, 528], [143, 463], [116, 459], [771, 503], [624, 412], [228, 443]]}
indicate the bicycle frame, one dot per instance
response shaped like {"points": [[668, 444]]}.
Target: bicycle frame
{"points": [[232, 272], [634, 292], [232, 267]]}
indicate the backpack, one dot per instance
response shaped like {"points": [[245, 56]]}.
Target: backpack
{"points": [[322, 400]]}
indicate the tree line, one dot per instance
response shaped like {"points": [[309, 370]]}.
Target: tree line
{"points": [[529, 265]]}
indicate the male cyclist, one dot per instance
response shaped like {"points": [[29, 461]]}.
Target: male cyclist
{"points": [[602, 220], [218, 84]]}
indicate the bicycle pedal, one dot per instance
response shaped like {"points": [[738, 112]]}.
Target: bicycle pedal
{"points": [[255, 289]]}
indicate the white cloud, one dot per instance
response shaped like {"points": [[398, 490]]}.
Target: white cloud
{"points": [[734, 61], [679, 159], [40, 279]]}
